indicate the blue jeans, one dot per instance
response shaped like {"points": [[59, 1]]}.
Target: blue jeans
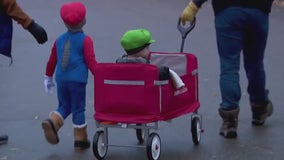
{"points": [[241, 30], [72, 99]]}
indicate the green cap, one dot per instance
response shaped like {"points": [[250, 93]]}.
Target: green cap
{"points": [[135, 39]]}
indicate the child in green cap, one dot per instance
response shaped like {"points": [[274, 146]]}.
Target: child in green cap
{"points": [[136, 44]]}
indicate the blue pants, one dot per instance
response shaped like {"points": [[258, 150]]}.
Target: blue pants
{"points": [[72, 99], [241, 29]]}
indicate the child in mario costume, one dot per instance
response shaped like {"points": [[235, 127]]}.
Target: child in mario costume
{"points": [[71, 56]]}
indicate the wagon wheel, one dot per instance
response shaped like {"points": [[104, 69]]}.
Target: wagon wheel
{"points": [[153, 146], [196, 130], [99, 146]]}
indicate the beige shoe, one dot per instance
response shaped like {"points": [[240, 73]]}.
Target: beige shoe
{"points": [[81, 141], [51, 126]]}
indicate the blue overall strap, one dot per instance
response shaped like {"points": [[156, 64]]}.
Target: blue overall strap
{"points": [[6, 31]]}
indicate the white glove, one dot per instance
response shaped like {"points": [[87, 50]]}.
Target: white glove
{"points": [[48, 84], [176, 79]]}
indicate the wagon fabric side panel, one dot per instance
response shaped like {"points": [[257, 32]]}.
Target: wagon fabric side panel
{"points": [[126, 93], [177, 102]]}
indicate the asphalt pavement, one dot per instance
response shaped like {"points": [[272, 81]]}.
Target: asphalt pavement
{"points": [[24, 104]]}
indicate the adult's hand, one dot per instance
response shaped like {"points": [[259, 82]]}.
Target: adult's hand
{"points": [[189, 13], [38, 32]]}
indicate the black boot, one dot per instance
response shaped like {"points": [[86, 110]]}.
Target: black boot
{"points": [[3, 139], [230, 122]]}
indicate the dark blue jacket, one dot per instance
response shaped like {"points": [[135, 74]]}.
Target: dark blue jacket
{"points": [[6, 30], [264, 5], [219, 5]]}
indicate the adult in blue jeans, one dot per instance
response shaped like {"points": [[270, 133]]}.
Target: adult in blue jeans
{"points": [[241, 27]]}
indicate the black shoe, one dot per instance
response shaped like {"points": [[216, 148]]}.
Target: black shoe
{"points": [[3, 139]]}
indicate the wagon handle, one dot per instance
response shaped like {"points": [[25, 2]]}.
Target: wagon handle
{"points": [[184, 31]]}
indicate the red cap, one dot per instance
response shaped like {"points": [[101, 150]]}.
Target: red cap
{"points": [[73, 13]]}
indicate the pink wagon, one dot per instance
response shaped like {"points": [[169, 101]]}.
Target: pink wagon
{"points": [[131, 96]]}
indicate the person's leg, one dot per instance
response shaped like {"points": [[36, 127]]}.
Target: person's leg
{"points": [[229, 30], [254, 48], [3, 139], [56, 118], [78, 104], [229, 42]]}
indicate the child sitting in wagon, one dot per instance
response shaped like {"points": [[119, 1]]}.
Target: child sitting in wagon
{"points": [[136, 44]]}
